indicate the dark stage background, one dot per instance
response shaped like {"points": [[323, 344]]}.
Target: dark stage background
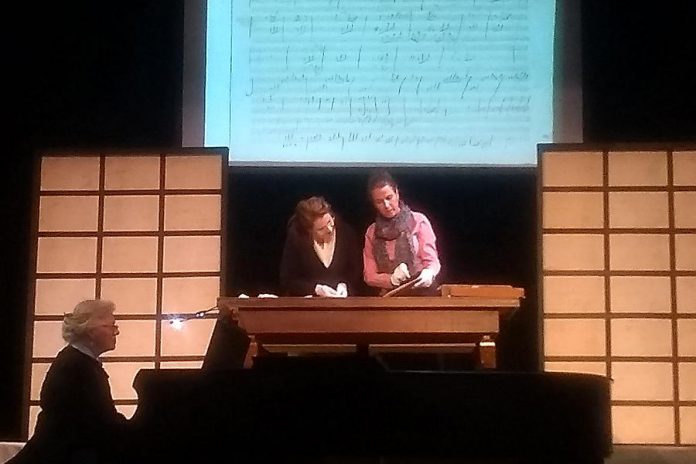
{"points": [[485, 221], [88, 75]]}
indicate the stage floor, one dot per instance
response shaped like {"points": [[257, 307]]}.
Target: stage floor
{"points": [[623, 454], [632, 454]]}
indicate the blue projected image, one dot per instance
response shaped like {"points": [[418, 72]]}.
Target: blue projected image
{"points": [[377, 81]]}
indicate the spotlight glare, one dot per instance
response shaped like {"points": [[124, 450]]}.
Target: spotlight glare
{"points": [[177, 323]]}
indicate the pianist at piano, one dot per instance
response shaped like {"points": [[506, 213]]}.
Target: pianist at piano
{"points": [[78, 422]]}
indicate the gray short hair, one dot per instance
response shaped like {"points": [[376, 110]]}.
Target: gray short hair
{"points": [[85, 315]]}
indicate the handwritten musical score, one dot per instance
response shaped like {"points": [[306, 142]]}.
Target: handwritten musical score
{"points": [[378, 80]]}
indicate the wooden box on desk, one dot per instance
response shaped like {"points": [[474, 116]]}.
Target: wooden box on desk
{"points": [[482, 291]]}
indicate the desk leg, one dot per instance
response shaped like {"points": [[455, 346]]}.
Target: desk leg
{"points": [[487, 352], [252, 353], [362, 349]]}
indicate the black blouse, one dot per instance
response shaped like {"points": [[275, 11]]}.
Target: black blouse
{"points": [[78, 420], [301, 269]]}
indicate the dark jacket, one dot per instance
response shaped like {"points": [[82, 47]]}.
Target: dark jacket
{"points": [[301, 269], [78, 422]]}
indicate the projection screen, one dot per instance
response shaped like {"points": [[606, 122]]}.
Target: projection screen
{"points": [[415, 82]]}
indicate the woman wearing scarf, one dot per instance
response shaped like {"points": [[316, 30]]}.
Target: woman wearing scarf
{"points": [[400, 243]]}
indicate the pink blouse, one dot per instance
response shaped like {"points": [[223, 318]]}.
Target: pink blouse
{"points": [[423, 244]]}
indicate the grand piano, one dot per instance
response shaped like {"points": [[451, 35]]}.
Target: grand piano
{"points": [[316, 405]]}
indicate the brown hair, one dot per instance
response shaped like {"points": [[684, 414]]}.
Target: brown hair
{"points": [[309, 210], [379, 179]]}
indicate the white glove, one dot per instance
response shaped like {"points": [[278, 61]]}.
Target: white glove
{"points": [[400, 274], [267, 295], [425, 279], [341, 290], [325, 290]]}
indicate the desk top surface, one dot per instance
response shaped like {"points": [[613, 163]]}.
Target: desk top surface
{"points": [[367, 303]]}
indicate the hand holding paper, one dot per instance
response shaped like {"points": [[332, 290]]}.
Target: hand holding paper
{"points": [[400, 274]]}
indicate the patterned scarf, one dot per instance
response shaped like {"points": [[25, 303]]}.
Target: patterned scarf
{"points": [[397, 228]]}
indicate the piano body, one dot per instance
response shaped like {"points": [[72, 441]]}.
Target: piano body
{"points": [[301, 408], [324, 407]]}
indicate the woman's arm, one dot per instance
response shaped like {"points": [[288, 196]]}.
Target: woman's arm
{"points": [[293, 278]]}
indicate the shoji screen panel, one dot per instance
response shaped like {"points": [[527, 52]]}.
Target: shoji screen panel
{"points": [[618, 241], [143, 229]]}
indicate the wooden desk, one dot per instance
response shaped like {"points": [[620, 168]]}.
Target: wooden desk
{"points": [[371, 324]]}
